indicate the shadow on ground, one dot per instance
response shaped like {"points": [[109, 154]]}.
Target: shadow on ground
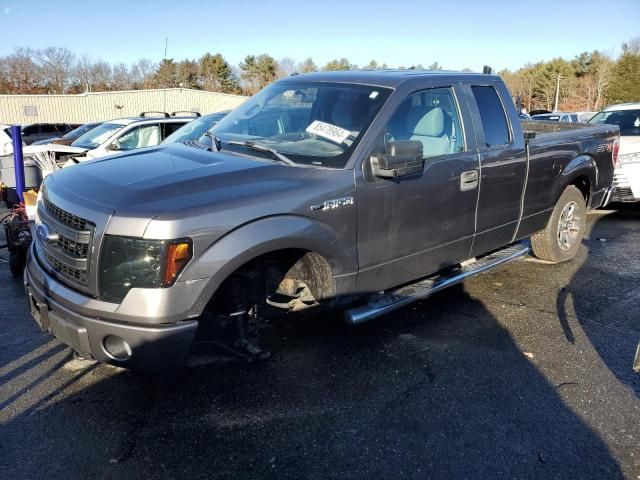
{"points": [[439, 391]]}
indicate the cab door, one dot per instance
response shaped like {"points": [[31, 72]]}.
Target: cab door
{"points": [[503, 168], [416, 225]]}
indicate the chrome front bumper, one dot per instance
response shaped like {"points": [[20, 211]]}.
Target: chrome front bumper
{"points": [[119, 343]]}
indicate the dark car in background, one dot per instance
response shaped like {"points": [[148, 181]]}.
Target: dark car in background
{"points": [[68, 138], [196, 129], [557, 117], [42, 131]]}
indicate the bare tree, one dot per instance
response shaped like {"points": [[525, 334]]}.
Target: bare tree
{"points": [[57, 66], [120, 77], [286, 66], [23, 73], [142, 73], [307, 66]]}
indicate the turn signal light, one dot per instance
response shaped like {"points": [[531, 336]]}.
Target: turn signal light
{"points": [[178, 255]]}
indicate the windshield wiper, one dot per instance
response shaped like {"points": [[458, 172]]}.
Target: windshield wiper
{"points": [[264, 148]]}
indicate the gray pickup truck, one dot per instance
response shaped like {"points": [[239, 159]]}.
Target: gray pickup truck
{"points": [[358, 190]]}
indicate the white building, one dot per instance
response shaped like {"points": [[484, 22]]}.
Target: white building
{"points": [[98, 106]]}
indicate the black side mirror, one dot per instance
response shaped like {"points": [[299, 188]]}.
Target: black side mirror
{"points": [[404, 158]]}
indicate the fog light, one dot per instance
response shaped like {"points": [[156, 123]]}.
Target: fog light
{"points": [[117, 348]]}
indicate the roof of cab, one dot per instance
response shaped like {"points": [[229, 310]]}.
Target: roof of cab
{"points": [[381, 78]]}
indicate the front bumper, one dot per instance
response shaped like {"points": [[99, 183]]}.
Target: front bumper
{"points": [[118, 343]]}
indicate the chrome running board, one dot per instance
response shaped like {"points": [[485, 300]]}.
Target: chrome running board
{"points": [[385, 302]]}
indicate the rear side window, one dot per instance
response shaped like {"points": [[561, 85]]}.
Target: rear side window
{"points": [[494, 121]]}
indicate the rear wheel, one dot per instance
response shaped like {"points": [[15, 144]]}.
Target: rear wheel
{"points": [[561, 238]]}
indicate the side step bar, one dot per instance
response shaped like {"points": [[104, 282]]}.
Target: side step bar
{"points": [[385, 302]]}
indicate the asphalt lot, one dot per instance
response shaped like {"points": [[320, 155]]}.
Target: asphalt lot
{"points": [[524, 372]]}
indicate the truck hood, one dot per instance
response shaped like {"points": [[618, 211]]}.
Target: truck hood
{"points": [[176, 178]]}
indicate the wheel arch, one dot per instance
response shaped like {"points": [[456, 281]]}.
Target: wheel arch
{"points": [[582, 172], [314, 247]]}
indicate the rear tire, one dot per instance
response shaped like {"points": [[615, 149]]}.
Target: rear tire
{"points": [[561, 239]]}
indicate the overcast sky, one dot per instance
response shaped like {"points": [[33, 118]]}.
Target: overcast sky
{"points": [[456, 33]]}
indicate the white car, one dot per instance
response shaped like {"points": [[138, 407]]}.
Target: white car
{"points": [[626, 178], [6, 147], [124, 134]]}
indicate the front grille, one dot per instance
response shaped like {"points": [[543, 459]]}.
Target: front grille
{"points": [[74, 249], [64, 269], [73, 221], [68, 256]]}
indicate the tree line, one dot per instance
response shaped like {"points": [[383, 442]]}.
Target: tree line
{"points": [[586, 82]]}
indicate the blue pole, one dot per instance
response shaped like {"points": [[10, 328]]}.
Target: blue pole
{"points": [[18, 160]]}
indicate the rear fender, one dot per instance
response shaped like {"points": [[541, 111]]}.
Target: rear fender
{"points": [[581, 166]]}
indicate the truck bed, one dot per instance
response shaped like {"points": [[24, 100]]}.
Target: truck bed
{"points": [[553, 131]]}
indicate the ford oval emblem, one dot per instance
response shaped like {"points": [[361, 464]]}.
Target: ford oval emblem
{"points": [[44, 235]]}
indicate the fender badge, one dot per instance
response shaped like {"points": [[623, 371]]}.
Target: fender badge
{"points": [[333, 204]]}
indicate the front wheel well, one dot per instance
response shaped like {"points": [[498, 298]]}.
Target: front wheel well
{"points": [[286, 272]]}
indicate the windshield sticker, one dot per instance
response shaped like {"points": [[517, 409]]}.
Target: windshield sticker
{"points": [[373, 95], [328, 131]]}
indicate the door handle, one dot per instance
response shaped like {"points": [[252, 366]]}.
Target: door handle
{"points": [[468, 180]]}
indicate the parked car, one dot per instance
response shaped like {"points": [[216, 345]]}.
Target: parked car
{"points": [[43, 131], [556, 117], [197, 128], [363, 190], [627, 173], [68, 138], [125, 134], [6, 147]]}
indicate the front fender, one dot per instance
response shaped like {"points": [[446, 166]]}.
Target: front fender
{"points": [[266, 235]]}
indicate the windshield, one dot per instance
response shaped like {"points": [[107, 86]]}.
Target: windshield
{"points": [[311, 123], [194, 129], [627, 120], [80, 130], [97, 136]]}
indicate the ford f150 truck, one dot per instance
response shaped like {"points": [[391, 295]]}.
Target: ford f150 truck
{"points": [[359, 190]]}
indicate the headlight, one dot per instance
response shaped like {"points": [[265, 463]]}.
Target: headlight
{"points": [[127, 263], [629, 158]]}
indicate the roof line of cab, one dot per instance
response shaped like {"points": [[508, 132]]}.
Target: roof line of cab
{"points": [[382, 78]]}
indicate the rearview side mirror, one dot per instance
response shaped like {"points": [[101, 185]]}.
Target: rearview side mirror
{"points": [[115, 146], [403, 157]]}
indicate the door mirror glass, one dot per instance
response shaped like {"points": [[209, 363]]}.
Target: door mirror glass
{"points": [[403, 157]]}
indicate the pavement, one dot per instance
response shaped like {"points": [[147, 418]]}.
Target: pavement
{"points": [[523, 372]]}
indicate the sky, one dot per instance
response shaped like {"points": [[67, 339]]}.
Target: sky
{"points": [[455, 33]]}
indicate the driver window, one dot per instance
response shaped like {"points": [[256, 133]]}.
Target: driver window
{"points": [[143, 136], [432, 118]]}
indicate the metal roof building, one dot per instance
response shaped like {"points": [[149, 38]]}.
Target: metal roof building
{"points": [[99, 106]]}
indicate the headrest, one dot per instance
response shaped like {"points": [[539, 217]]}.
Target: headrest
{"points": [[426, 122], [342, 114]]}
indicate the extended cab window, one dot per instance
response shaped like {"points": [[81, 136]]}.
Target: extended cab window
{"points": [[494, 121], [430, 117]]}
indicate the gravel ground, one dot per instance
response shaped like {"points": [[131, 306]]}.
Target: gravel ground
{"points": [[524, 372]]}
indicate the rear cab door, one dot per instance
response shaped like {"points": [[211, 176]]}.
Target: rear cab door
{"points": [[503, 163]]}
